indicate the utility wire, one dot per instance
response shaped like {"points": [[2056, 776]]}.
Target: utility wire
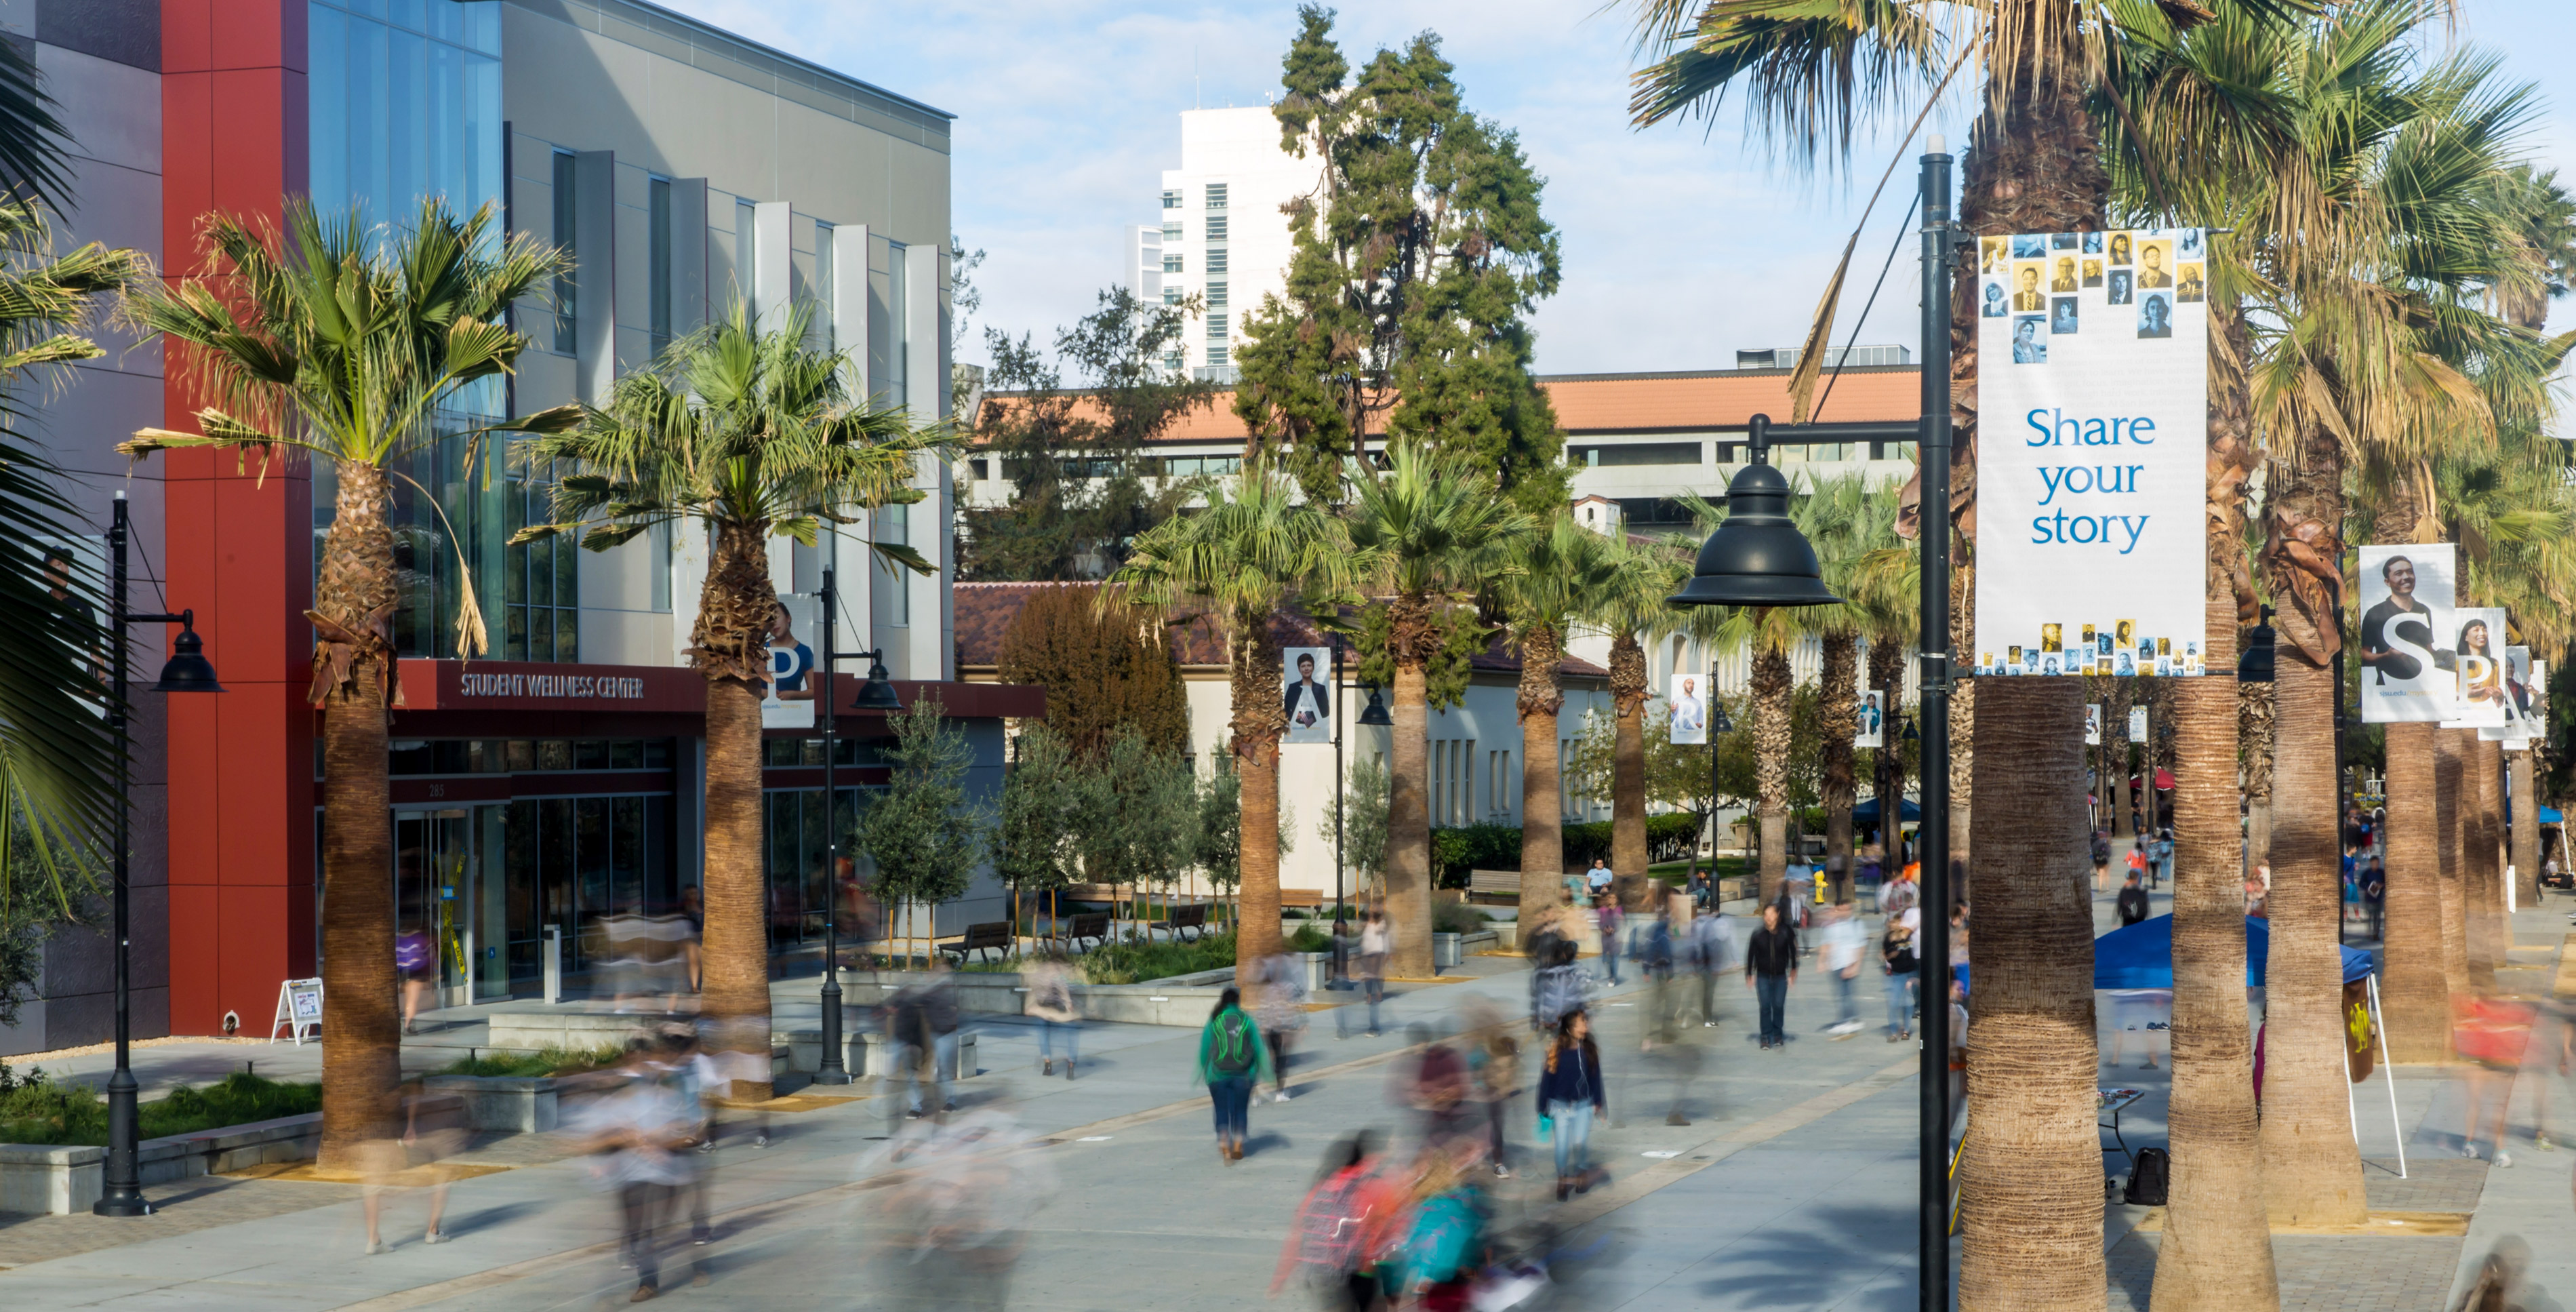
{"points": [[1845, 358]]}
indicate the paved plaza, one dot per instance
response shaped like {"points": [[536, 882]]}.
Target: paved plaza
{"points": [[1790, 1185]]}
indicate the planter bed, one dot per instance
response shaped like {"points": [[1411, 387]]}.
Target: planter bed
{"points": [[67, 1178]]}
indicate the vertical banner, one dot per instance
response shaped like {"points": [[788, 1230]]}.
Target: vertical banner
{"points": [[1873, 719], [2516, 732], [2477, 660], [1689, 710], [2406, 633], [1306, 693], [2093, 725], [787, 701], [2137, 724], [2091, 465]]}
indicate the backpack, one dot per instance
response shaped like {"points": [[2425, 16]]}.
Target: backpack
{"points": [[1232, 1053], [1332, 1224], [1558, 990], [2148, 1179]]}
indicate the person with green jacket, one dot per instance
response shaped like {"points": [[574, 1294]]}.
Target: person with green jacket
{"points": [[1233, 1060]]}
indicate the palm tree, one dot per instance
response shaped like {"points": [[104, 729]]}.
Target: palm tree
{"points": [[1632, 610], [749, 432], [340, 342], [1844, 522], [1553, 572], [1432, 530], [1254, 550], [1883, 582]]}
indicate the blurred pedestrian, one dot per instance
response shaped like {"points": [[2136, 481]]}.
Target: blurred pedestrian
{"points": [[683, 1067], [693, 909], [1232, 1058], [1437, 1088], [1494, 1067], [923, 1019], [1712, 942], [1557, 988], [1839, 958], [2374, 896], [1770, 967], [2494, 1035], [1444, 1245], [1052, 1004], [1571, 1091], [413, 960], [1329, 1248], [1896, 953], [2101, 862], [417, 1157], [1281, 1006], [732, 1070], [1377, 941], [631, 1132], [1610, 919], [2132, 902], [2163, 854]]}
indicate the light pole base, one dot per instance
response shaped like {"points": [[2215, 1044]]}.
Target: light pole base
{"points": [[134, 1206]]}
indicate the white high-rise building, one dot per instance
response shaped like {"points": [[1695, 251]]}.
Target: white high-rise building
{"points": [[1223, 235], [1144, 261]]}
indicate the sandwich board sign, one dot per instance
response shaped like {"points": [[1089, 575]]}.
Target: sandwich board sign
{"points": [[299, 1009]]}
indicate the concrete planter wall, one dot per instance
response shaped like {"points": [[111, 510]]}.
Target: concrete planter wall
{"points": [[870, 1056], [1444, 951], [62, 1179], [519, 1104]]}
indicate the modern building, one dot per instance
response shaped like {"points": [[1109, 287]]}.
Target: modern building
{"points": [[556, 780], [1475, 749], [1223, 237]]}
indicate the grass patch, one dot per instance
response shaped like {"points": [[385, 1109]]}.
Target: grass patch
{"points": [[536, 1065], [36, 1109]]}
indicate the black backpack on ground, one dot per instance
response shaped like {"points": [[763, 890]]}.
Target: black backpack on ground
{"points": [[2149, 1178]]}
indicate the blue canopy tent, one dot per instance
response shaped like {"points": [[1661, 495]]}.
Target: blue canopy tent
{"points": [[1867, 812], [2141, 956]]}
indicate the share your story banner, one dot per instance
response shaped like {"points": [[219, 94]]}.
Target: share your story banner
{"points": [[2092, 400]]}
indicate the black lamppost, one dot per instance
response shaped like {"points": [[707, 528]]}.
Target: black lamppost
{"points": [[1718, 727], [186, 671], [874, 695]]}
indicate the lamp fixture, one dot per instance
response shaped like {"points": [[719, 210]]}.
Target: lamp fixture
{"points": [[1756, 557]]}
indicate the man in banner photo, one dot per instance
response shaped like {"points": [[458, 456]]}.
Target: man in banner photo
{"points": [[1690, 715], [1307, 694], [2406, 633], [2092, 461]]}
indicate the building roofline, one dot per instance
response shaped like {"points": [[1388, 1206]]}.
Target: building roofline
{"points": [[658, 21]]}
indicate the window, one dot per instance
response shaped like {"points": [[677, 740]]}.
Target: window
{"points": [[1172, 230], [658, 275], [659, 538], [1171, 198], [567, 305], [746, 250], [1188, 466], [892, 589], [1636, 453], [1216, 356], [1216, 261], [1815, 452], [540, 580], [1175, 361], [898, 358], [1216, 296], [1216, 227], [1216, 327], [823, 274], [1171, 296], [1171, 262], [1216, 195]]}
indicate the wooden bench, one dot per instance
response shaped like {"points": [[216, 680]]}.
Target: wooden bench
{"points": [[1193, 915], [1072, 930], [1301, 897], [992, 937], [1494, 883]]}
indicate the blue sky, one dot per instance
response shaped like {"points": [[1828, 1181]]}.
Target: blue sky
{"points": [[1681, 243]]}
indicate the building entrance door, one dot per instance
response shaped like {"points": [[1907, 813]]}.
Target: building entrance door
{"points": [[435, 869]]}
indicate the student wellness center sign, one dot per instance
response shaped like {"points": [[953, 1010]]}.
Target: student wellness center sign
{"points": [[2092, 436]]}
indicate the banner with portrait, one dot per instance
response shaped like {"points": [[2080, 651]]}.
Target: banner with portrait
{"points": [[2137, 724], [1306, 693], [2093, 724], [1687, 711], [2407, 632], [787, 698], [2516, 732], [2091, 465], [2477, 661], [1872, 730]]}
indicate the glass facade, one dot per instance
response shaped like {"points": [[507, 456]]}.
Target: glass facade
{"points": [[405, 103]]}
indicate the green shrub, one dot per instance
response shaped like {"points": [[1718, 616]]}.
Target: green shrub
{"points": [[1308, 938], [536, 1065], [1668, 837], [36, 1109], [1135, 959], [1457, 918], [1456, 852]]}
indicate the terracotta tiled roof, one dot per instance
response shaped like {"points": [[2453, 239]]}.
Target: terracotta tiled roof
{"points": [[1693, 401], [985, 611]]}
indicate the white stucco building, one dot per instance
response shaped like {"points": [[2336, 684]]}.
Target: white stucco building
{"points": [[1223, 237]]}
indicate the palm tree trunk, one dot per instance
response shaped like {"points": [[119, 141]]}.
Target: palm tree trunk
{"points": [[2449, 769], [1408, 826], [2217, 1250], [1840, 714], [362, 1052], [2254, 717], [1963, 730], [2030, 1174], [2526, 831], [1887, 674], [2115, 734], [1258, 722], [2415, 993], [1542, 815], [731, 641], [1628, 855], [1772, 686]]}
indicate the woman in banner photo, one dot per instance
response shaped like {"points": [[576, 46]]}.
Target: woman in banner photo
{"points": [[1307, 700], [2092, 243], [2051, 637], [1994, 308], [2155, 315], [2127, 634], [2119, 248], [2092, 273], [2481, 674], [2125, 666], [789, 660], [2028, 348], [2187, 246], [2061, 317]]}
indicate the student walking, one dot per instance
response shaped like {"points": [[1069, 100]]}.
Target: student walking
{"points": [[1282, 1010], [1770, 967], [1557, 988], [633, 1132], [1571, 1091], [1051, 1004], [1232, 1059], [1896, 955], [2132, 901], [1840, 959], [1711, 941], [1377, 940], [1608, 916]]}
